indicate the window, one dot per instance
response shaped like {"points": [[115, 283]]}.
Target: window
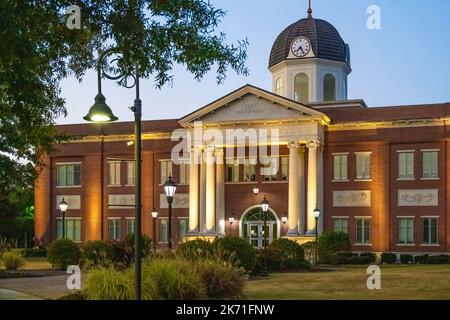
{"points": [[163, 230], [340, 166], [270, 171], [429, 231], [363, 231], [340, 225], [405, 230], [114, 229], [406, 165], [184, 173], [130, 226], [130, 173], [73, 229], [362, 166], [114, 173], [68, 175], [301, 88], [183, 226], [345, 89], [285, 168], [430, 164], [329, 88], [279, 87], [232, 170], [250, 170], [166, 170]]}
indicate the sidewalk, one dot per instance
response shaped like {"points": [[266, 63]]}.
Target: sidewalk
{"points": [[14, 295]]}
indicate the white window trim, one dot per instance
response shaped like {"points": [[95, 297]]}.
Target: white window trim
{"points": [[429, 217], [430, 179], [67, 163], [364, 152], [406, 151], [69, 218], [430, 245], [340, 153], [129, 218], [406, 217], [340, 217], [406, 179], [363, 180], [430, 150], [340, 181], [363, 217], [405, 244], [68, 187], [114, 218]]}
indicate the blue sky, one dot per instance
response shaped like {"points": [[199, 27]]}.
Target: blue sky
{"points": [[406, 62]]}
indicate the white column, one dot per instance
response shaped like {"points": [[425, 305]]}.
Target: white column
{"points": [[293, 201], [320, 189], [312, 187], [210, 221], [193, 191], [202, 197], [220, 192], [302, 190]]}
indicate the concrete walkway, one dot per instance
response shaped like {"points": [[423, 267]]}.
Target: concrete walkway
{"points": [[14, 295]]}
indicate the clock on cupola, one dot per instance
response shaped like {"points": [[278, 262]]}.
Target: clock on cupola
{"points": [[310, 62]]}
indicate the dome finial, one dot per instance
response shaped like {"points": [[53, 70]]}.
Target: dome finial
{"points": [[309, 10]]}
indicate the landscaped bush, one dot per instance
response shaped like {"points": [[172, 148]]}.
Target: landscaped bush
{"points": [[437, 260], [285, 255], [194, 249], [174, 279], [359, 260], [62, 253], [406, 259], [34, 253], [389, 258], [98, 253], [369, 254], [330, 244], [123, 257], [12, 260], [146, 244], [423, 259], [309, 249], [243, 252]]}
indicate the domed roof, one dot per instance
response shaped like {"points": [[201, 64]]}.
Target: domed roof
{"points": [[325, 40]]}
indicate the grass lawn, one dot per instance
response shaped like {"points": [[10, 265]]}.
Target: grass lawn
{"points": [[349, 283], [33, 264]]}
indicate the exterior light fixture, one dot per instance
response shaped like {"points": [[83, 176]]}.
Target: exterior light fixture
{"points": [[100, 111], [63, 207], [170, 187], [255, 191], [231, 219], [284, 219]]}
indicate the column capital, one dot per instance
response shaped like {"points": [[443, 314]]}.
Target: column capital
{"points": [[293, 145], [313, 144], [197, 148]]}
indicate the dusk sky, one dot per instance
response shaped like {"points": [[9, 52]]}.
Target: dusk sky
{"points": [[406, 62]]}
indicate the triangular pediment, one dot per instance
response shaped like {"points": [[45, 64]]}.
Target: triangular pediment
{"points": [[252, 104]]}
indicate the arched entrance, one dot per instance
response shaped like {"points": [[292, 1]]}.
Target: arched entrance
{"points": [[252, 226]]}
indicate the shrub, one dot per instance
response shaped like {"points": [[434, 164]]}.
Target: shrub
{"points": [[438, 260], [173, 279], [285, 255], [194, 249], [62, 253], [360, 260], [122, 257], [389, 258], [98, 253], [332, 243], [146, 244], [112, 284], [406, 259], [309, 250], [35, 253], [12, 260], [243, 252], [421, 259], [369, 254]]}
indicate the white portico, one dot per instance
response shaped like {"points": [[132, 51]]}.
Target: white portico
{"points": [[248, 122]]}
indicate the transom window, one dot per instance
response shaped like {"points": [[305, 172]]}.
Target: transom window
{"points": [[114, 173], [429, 231], [131, 173], [340, 225], [363, 166], [430, 164], [166, 170], [340, 166], [406, 165], [68, 175], [363, 231], [405, 230]]}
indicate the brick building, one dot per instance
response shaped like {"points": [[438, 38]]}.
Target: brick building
{"points": [[379, 174]]}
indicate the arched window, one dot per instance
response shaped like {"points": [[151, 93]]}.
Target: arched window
{"points": [[329, 88], [279, 87], [301, 88]]}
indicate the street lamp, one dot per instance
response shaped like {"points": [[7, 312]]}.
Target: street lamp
{"points": [[316, 217], [170, 187], [63, 208], [100, 112], [265, 208], [155, 216], [255, 191]]}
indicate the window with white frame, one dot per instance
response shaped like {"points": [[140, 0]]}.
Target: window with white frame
{"points": [[72, 229], [363, 231], [340, 167], [430, 164], [363, 166], [130, 226], [406, 165], [131, 171], [429, 230], [405, 230], [340, 225], [183, 227], [184, 172], [166, 170], [114, 229], [250, 170], [279, 87], [232, 170], [163, 230], [285, 168], [114, 173], [68, 175], [271, 167]]}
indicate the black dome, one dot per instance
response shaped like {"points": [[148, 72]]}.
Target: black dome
{"points": [[325, 40]]}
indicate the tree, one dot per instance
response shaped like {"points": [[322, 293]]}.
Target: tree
{"points": [[37, 51]]}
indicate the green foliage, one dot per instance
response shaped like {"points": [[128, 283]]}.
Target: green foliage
{"points": [[12, 260], [35, 253], [406, 259], [195, 249], [366, 259], [423, 259], [438, 260], [243, 252], [330, 244], [146, 244], [285, 255], [389, 258], [98, 253], [63, 253]]}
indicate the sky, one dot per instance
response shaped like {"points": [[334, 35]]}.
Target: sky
{"points": [[405, 62]]}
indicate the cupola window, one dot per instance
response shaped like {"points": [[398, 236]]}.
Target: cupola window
{"points": [[279, 87], [329, 88], [301, 88]]}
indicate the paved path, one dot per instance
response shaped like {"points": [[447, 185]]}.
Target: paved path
{"points": [[14, 295]]}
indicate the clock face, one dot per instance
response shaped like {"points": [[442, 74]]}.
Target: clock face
{"points": [[300, 47]]}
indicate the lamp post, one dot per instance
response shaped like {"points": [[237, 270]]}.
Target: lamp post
{"points": [[316, 217], [100, 112], [63, 208], [155, 216], [170, 187], [265, 208]]}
